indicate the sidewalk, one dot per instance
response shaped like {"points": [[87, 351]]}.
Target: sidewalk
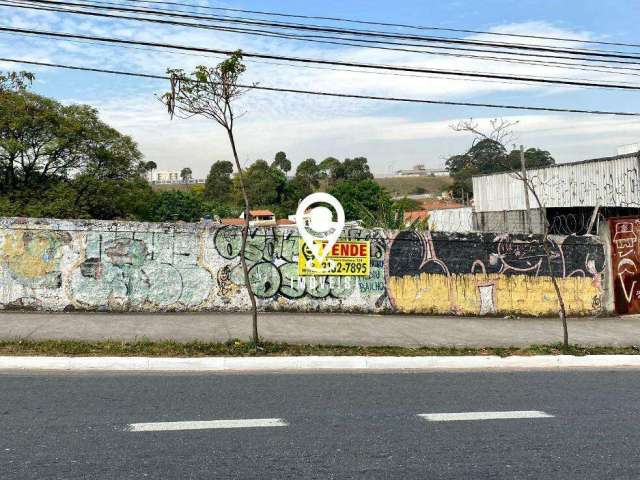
{"points": [[395, 330]]}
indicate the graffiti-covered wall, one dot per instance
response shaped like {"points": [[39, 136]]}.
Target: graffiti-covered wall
{"points": [[98, 265]]}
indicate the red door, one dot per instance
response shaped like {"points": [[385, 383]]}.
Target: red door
{"points": [[625, 252]]}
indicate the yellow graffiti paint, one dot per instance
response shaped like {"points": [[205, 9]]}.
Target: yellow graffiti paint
{"points": [[471, 294], [31, 255]]}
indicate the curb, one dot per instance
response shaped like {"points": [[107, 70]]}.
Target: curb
{"points": [[308, 363]]}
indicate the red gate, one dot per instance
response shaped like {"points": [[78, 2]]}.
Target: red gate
{"points": [[625, 253]]}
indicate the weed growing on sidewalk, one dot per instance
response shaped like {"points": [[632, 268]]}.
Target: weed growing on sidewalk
{"points": [[239, 348]]}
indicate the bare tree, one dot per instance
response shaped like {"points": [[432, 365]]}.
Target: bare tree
{"points": [[501, 131], [211, 92]]}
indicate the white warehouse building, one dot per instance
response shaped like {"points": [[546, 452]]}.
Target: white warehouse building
{"points": [[572, 196]]}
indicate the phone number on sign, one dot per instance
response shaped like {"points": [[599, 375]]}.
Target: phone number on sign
{"points": [[352, 266]]}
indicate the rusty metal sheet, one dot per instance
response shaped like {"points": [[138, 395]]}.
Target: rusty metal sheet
{"points": [[625, 253]]}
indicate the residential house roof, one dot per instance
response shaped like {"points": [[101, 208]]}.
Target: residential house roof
{"points": [[232, 221], [261, 213], [417, 215]]}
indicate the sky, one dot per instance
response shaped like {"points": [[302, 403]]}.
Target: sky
{"points": [[392, 136]]}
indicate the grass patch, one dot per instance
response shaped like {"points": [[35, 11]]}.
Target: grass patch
{"points": [[237, 348], [408, 185]]}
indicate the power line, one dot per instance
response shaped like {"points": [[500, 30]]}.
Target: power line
{"points": [[406, 75], [387, 24], [336, 94], [291, 65], [326, 29], [367, 42], [327, 62]]}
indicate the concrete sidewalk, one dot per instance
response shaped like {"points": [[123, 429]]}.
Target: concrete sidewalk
{"points": [[398, 330]]}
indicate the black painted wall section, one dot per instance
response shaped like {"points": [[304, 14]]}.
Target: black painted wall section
{"points": [[413, 253]]}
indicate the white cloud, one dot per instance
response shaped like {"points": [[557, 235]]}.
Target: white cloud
{"points": [[392, 136]]}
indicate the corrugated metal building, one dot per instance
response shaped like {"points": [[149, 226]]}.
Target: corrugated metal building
{"points": [[451, 220], [569, 193]]}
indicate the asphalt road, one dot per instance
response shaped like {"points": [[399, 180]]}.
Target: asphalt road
{"points": [[337, 425]]}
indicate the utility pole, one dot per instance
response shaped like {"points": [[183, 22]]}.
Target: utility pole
{"points": [[523, 167]]}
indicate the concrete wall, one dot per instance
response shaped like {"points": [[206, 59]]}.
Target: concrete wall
{"points": [[97, 265], [512, 221]]}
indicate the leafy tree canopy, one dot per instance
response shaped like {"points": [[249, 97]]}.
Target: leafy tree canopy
{"points": [[361, 198], [185, 174], [218, 184], [63, 161], [264, 184], [42, 141], [282, 162]]}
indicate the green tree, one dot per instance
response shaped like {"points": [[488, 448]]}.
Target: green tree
{"points": [[534, 158], [485, 156], [327, 166], [63, 161], [408, 204], [217, 187], [175, 205], [361, 198], [42, 141], [150, 166], [308, 175], [282, 162], [185, 174], [355, 169], [265, 185], [15, 81]]}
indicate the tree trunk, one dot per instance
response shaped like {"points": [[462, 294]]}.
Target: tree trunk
{"points": [[563, 311], [245, 234], [547, 252]]}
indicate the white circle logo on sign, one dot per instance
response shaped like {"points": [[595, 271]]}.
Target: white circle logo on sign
{"points": [[320, 222]]}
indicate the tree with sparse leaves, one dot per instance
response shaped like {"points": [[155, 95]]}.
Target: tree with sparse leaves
{"points": [[212, 92], [500, 131]]}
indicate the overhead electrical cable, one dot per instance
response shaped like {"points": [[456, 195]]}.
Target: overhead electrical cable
{"points": [[326, 29], [515, 78], [513, 57], [348, 42], [388, 24], [335, 94], [291, 65]]}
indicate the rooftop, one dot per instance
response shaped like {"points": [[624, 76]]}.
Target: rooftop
{"points": [[568, 164], [417, 215], [261, 213]]}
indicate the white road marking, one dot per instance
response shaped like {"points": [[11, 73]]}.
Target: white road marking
{"points": [[209, 424], [453, 417]]}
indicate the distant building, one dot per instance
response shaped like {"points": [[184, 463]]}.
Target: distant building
{"points": [[282, 222], [170, 176], [232, 221], [422, 171], [166, 176], [260, 218]]}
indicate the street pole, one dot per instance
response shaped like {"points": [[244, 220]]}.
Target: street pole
{"points": [[523, 167]]}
